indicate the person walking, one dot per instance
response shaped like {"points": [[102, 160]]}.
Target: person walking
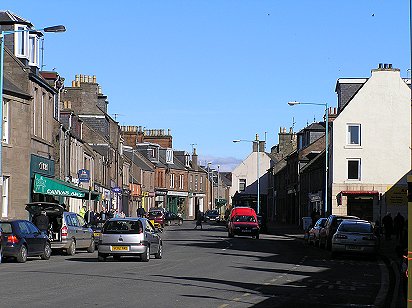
{"points": [[387, 222], [141, 212], [199, 220], [398, 223]]}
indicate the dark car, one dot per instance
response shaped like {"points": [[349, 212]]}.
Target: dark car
{"points": [[173, 218], [158, 217], [331, 225], [97, 229], [211, 215], [314, 232], [22, 239]]}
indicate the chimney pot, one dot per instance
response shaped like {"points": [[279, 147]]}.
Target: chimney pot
{"points": [[385, 66], [380, 65], [74, 83], [390, 65], [94, 78]]}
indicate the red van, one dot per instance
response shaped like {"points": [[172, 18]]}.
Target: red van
{"points": [[243, 221]]}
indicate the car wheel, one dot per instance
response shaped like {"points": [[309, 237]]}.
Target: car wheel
{"points": [[316, 243], [92, 247], [159, 252], [71, 251], [22, 255], [257, 236], [101, 257], [116, 257], [229, 234], [146, 255], [47, 252]]}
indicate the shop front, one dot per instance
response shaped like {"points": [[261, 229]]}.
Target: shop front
{"points": [[160, 198], [176, 202]]}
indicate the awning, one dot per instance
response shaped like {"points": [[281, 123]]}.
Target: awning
{"points": [[48, 186], [359, 192]]}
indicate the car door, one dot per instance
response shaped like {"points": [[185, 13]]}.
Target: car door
{"points": [[152, 237], [87, 233], [75, 230], [24, 232], [37, 237]]}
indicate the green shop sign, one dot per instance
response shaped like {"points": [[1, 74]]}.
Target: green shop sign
{"points": [[48, 186]]}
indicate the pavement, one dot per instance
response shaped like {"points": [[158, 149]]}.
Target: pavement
{"points": [[392, 294]]}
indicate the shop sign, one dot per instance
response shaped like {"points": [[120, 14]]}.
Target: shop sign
{"points": [[41, 165], [83, 175]]}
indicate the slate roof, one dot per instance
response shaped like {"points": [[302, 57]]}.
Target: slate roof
{"points": [[176, 163], [317, 126], [9, 18], [139, 160], [8, 86]]}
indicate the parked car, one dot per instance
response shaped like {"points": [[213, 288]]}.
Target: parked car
{"points": [[331, 225], [97, 229], [243, 221], [173, 218], [129, 237], [211, 215], [314, 232], [22, 239], [67, 230], [355, 236], [158, 218]]}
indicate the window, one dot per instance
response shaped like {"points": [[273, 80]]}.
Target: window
{"points": [[34, 111], [354, 169], [172, 180], [354, 134], [5, 197], [21, 41], [201, 183], [42, 116], [169, 156], [196, 180], [191, 182], [33, 50], [181, 181], [6, 127], [242, 184]]}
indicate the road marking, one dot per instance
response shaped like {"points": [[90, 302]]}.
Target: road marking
{"points": [[223, 306], [236, 299], [246, 294]]}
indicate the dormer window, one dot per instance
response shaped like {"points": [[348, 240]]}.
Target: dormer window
{"points": [[169, 156], [33, 50], [21, 41], [187, 161]]}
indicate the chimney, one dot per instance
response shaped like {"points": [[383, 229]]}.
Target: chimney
{"points": [[194, 160]]}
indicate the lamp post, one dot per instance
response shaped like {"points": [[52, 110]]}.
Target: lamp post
{"points": [[217, 193], [326, 147], [208, 178], [53, 29], [257, 167]]}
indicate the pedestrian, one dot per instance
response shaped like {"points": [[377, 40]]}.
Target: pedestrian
{"points": [[398, 223], [387, 222], [103, 214], [42, 222], [199, 220], [141, 212], [82, 211]]}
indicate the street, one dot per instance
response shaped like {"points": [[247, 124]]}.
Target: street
{"points": [[200, 268]]}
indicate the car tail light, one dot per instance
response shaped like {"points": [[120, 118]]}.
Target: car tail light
{"points": [[341, 236], [12, 239], [64, 231]]}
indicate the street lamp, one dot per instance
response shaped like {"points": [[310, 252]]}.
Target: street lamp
{"points": [[326, 146], [257, 162], [208, 178], [54, 29]]}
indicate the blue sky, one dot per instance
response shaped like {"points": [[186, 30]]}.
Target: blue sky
{"points": [[214, 71]]}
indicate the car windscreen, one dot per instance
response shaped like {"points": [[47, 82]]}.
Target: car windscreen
{"points": [[6, 227], [213, 213], [244, 218], [123, 227], [356, 228]]}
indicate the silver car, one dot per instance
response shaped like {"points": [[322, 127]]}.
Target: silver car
{"points": [[129, 237], [67, 230], [354, 236]]}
